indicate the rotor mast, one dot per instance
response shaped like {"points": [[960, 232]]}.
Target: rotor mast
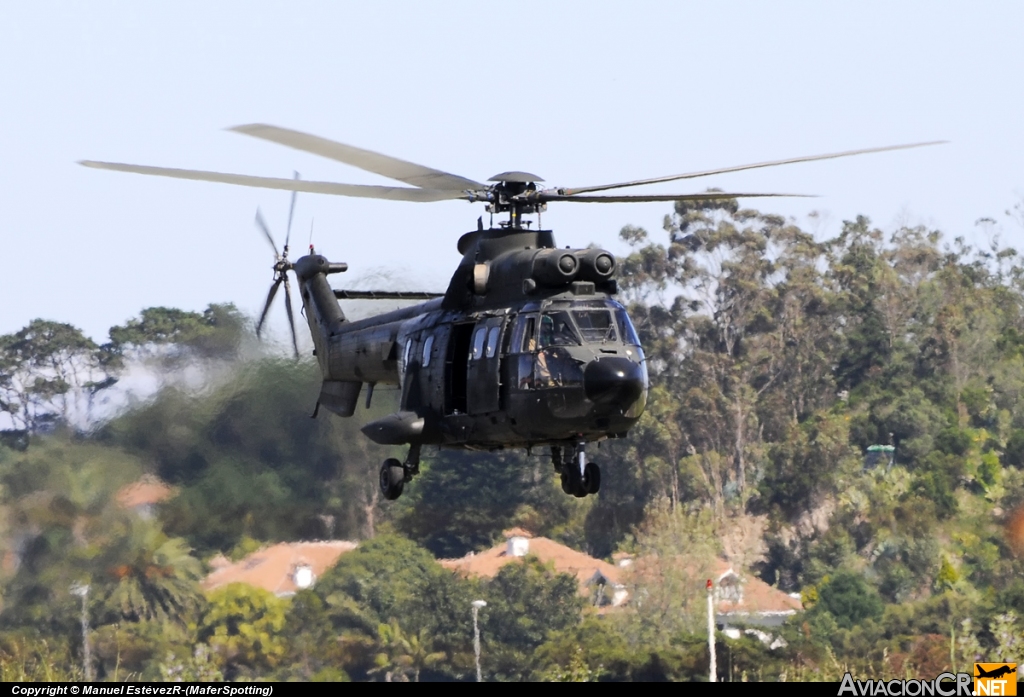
{"points": [[515, 193]]}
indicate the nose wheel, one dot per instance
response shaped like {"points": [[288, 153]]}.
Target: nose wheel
{"points": [[578, 476], [394, 474]]}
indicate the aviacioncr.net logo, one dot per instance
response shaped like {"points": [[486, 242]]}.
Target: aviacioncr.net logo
{"points": [[945, 685]]}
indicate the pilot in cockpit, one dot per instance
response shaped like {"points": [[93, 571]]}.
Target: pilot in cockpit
{"points": [[555, 330]]}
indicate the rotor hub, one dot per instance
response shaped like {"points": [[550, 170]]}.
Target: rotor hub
{"points": [[515, 193]]}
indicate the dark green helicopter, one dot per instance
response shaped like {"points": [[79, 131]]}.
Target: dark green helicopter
{"points": [[526, 348]]}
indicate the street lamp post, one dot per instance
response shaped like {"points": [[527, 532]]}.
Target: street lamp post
{"points": [[477, 604], [82, 591], [713, 672]]}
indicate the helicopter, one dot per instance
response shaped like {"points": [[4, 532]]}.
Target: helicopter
{"points": [[526, 348]]}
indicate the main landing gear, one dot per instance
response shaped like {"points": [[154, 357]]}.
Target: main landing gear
{"points": [[579, 477], [394, 474]]}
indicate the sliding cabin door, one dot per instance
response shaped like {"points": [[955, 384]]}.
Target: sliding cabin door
{"points": [[483, 373]]}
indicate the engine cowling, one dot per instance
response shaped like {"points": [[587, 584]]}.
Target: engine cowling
{"points": [[555, 267]]}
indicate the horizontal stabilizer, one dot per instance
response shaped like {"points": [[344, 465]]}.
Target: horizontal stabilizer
{"points": [[340, 396]]}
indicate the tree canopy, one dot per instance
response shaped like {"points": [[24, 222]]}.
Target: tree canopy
{"points": [[841, 417]]}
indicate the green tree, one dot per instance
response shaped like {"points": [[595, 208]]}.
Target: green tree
{"points": [[24, 658], [390, 577], [314, 650], [525, 603], [243, 625], [58, 502], [849, 600], [678, 552], [172, 336]]}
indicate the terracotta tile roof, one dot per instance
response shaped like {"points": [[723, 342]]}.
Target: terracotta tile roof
{"points": [[219, 562], [756, 596], [563, 559], [273, 568], [146, 491]]}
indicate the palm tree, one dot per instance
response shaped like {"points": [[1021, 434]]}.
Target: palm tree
{"points": [[388, 660], [401, 654], [150, 576], [417, 651]]}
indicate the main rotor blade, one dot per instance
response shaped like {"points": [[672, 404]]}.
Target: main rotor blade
{"points": [[392, 193], [384, 295], [641, 198], [291, 317], [291, 214], [262, 225], [385, 165], [740, 168], [266, 306]]}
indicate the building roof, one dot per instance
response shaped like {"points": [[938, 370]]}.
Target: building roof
{"points": [[564, 559], [756, 596], [147, 491], [273, 568]]}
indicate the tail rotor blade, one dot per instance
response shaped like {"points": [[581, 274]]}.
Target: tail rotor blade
{"points": [[291, 214], [266, 307], [262, 225], [291, 316]]}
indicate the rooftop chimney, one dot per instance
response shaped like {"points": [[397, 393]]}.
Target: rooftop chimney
{"points": [[518, 546], [303, 576]]}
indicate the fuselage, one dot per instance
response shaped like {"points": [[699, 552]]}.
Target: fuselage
{"points": [[523, 350]]}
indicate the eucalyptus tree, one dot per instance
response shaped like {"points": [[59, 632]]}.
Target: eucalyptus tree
{"points": [[50, 373]]}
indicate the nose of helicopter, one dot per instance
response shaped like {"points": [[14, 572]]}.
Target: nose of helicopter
{"points": [[613, 380]]}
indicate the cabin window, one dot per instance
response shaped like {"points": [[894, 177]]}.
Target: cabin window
{"points": [[478, 343], [556, 330], [595, 325], [428, 345], [492, 341]]}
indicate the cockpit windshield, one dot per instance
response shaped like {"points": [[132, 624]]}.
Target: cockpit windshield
{"points": [[556, 330], [595, 325]]}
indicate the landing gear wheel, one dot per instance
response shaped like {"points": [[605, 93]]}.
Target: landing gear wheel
{"points": [[392, 479], [575, 481], [591, 478], [578, 479], [566, 486]]}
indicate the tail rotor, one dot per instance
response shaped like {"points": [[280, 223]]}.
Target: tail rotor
{"points": [[281, 268]]}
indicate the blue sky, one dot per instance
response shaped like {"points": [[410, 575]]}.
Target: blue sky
{"points": [[577, 92]]}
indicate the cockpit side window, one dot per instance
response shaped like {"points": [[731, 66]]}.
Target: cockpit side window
{"points": [[523, 335], [595, 325], [556, 330], [626, 330]]}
